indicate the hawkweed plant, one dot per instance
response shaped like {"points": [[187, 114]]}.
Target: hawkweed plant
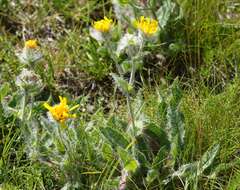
{"points": [[131, 44], [28, 81]]}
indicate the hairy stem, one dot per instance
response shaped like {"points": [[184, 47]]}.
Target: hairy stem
{"points": [[123, 180]]}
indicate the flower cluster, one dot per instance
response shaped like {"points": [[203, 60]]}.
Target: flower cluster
{"points": [[129, 43], [32, 44], [146, 25], [29, 80], [100, 28], [61, 111], [103, 25]]}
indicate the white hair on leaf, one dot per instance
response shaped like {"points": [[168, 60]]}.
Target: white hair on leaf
{"points": [[130, 43]]}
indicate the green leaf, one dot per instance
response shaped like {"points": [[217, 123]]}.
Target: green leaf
{"points": [[114, 121], [176, 132], [186, 171], [143, 148], [175, 124], [5, 88], [158, 134], [123, 2], [175, 149], [115, 137], [152, 175], [59, 145], [152, 3], [176, 94], [129, 162], [159, 158], [162, 108], [123, 84], [138, 105], [164, 13], [185, 7], [208, 158], [107, 152], [21, 112], [126, 66], [102, 50]]}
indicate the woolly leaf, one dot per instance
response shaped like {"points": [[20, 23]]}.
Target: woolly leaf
{"points": [[115, 137], [208, 158], [165, 12], [122, 84], [5, 88], [158, 134], [186, 170], [152, 175], [176, 94], [129, 162], [142, 146], [159, 158]]}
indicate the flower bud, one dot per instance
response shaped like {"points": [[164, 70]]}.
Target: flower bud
{"points": [[30, 53], [28, 80]]}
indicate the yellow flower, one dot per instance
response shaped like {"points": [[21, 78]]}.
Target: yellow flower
{"points": [[32, 44], [146, 25], [103, 25], [60, 112]]}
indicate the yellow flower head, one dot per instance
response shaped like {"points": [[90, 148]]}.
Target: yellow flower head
{"points": [[103, 25], [60, 112], [32, 44], [146, 25]]}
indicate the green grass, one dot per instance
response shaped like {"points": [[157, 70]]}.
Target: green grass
{"points": [[209, 118]]}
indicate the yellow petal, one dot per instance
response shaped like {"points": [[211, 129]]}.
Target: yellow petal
{"points": [[60, 98], [47, 106], [64, 101], [31, 43]]}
